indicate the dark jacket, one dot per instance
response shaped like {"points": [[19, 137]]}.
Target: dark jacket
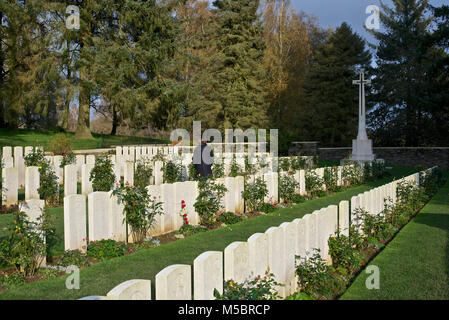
{"points": [[203, 158]]}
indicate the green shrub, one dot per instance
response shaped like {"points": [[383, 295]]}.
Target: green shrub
{"points": [[314, 184], [284, 164], [254, 194], [102, 174], [60, 144], [11, 280], [48, 181], [229, 217], [25, 246], [235, 169], [73, 257], [298, 163], [67, 159], [344, 251], [142, 174], [330, 178], [250, 168], [208, 202], [260, 288], [217, 170], [268, 207], [172, 172], [140, 209], [193, 175], [312, 273], [287, 187], [105, 249]]}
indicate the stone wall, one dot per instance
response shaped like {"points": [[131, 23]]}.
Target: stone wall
{"points": [[427, 157]]}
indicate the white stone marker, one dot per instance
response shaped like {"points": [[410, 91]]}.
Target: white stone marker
{"points": [[70, 180], [207, 275], [288, 261], [79, 161], [128, 173], [59, 172], [158, 225], [313, 234], [236, 256], [99, 216], [19, 162], [229, 198], [90, 159], [191, 193], [33, 208], [28, 150], [7, 161], [116, 213], [86, 184], [258, 254], [136, 289], [32, 181], [7, 152], [343, 217], [239, 204], [10, 186], [75, 222], [157, 172], [174, 283], [276, 255], [168, 197]]}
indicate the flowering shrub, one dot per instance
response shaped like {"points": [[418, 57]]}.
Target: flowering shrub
{"points": [[217, 170], [105, 249], [140, 209], [102, 175], [287, 187], [73, 257], [254, 194], [268, 207], [345, 250], [208, 202], [314, 184], [260, 288], [187, 228], [193, 175], [312, 273], [235, 169], [24, 246], [67, 159]]}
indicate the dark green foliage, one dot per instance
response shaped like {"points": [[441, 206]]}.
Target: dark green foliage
{"points": [[73, 257], [287, 187], [102, 175], [142, 174], [208, 201], [105, 249], [172, 172], [254, 194], [229, 217]]}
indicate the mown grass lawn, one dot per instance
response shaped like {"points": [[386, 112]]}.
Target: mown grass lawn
{"points": [[415, 264], [102, 277], [25, 137]]}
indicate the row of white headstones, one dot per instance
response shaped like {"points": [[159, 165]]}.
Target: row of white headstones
{"points": [[16, 175], [275, 249]]}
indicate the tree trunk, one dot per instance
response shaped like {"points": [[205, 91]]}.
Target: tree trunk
{"points": [[83, 128], [114, 121]]}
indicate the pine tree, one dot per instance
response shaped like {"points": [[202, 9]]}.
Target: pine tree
{"points": [[331, 99], [400, 77], [236, 92]]}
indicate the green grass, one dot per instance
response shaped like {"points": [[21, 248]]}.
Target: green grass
{"points": [[415, 264], [25, 137], [102, 277]]}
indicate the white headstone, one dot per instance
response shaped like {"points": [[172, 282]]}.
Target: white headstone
{"points": [[236, 257], [99, 216], [207, 275], [75, 222], [158, 174], [10, 186], [174, 283], [129, 173], [288, 261], [86, 184], [343, 217], [276, 255], [32, 181], [136, 289], [70, 179]]}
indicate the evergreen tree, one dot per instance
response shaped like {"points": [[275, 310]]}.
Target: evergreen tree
{"points": [[401, 88], [331, 99], [235, 97]]}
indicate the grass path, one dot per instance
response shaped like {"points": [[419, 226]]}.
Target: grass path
{"points": [[102, 277], [415, 264]]}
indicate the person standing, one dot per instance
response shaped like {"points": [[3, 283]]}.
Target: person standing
{"points": [[203, 158]]}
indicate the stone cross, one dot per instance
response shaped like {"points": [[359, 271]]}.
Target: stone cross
{"points": [[362, 109]]}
